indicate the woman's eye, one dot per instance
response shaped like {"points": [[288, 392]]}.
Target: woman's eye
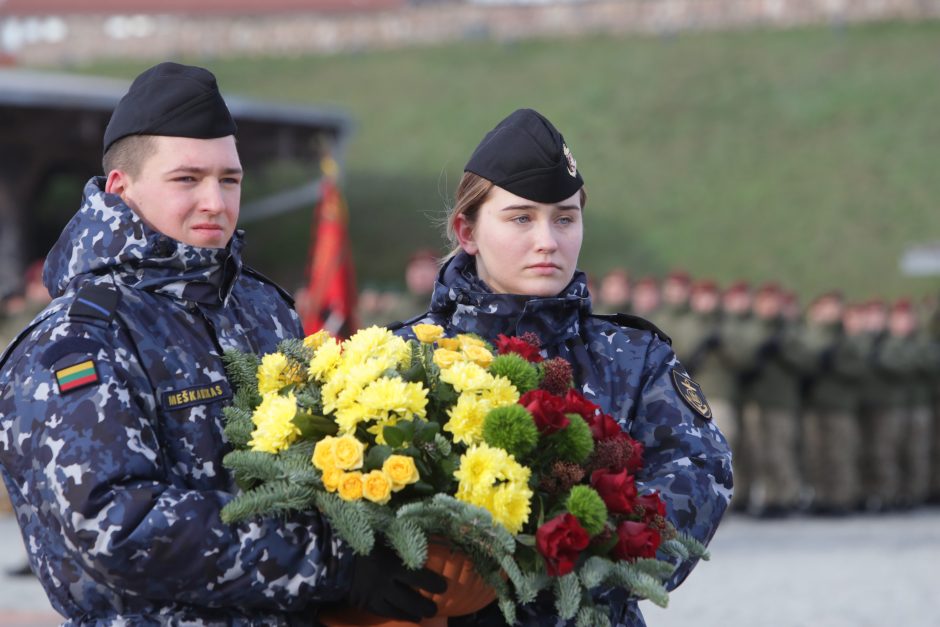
{"points": [[521, 219], [566, 220], [185, 179]]}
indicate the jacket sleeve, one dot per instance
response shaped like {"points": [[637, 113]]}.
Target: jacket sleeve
{"points": [[91, 462], [686, 459]]}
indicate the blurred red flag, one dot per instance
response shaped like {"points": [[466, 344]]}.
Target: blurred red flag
{"points": [[330, 300]]}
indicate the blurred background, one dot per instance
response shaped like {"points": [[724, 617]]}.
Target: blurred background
{"points": [[745, 142]]}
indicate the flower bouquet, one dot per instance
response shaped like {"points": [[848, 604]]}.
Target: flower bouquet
{"points": [[486, 448]]}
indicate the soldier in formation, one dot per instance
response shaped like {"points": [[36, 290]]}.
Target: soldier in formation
{"points": [[830, 411]]}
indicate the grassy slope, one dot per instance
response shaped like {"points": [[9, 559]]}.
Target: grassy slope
{"points": [[807, 156]]}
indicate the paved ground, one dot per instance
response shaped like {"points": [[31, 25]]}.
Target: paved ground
{"points": [[852, 572]]}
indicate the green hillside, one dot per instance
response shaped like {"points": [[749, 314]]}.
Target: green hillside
{"points": [[807, 156]]}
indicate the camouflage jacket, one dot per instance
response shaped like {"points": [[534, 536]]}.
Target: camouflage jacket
{"points": [[116, 476], [629, 373]]}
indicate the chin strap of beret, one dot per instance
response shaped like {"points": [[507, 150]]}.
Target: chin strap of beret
{"points": [[634, 322]]}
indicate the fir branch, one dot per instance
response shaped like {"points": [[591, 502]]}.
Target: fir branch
{"points": [[655, 568], [626, 575], [594, 571], [242, 369], [349, 520], [592, 617], [675, 548], [524, 585], [238, 425], [252, 465], [409, 541], [295, 350], [696, 549], [269, 499], [567, 596]]}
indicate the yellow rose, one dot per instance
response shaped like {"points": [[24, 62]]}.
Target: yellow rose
{"points": [[377, 487], [350, 486], [428, 333], [347, 453], [401, 470], [324, 454], [331, 479], [450, 343], [445, 358], [469, 340], [478, 355]]}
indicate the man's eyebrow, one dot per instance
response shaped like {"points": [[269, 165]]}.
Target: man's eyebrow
{"points": [[192, 169]]}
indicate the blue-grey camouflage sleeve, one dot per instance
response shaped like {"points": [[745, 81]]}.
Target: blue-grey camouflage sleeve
{"points": [[127, 519], [686, 458]]}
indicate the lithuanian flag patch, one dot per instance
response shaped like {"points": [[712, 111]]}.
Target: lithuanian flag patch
{"points": [[77, 376]]}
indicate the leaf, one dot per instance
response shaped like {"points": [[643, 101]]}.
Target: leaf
{"points": [[394, 436], [526, 539], [376, 457], [314, 426]]}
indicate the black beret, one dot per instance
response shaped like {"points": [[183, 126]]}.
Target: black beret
{"points": [[174, 100], [527, 156]]}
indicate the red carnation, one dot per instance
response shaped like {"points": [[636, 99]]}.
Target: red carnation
{"points": [[617, 490], [521, 347], [575, 403], [560, 541], [604, 427], [635, 540], [547, 410]]}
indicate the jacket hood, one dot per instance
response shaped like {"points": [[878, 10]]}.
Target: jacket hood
{"points": [[471, 305], [106, 237]]}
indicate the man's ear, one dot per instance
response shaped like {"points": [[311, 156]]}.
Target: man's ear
{"points": [[464, 231], [117, 182]]}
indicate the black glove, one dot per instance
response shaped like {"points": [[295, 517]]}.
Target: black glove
{"points": [[381, 584]]}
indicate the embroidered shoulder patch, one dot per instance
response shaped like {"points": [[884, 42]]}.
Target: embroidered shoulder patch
{"points": [[199, 395], [76, 376], [691, 393]]}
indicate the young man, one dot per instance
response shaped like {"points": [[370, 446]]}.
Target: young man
{"points": [[111, 401]]}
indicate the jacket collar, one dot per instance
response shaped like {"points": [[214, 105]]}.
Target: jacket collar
{"points": [[471, 306], [106, 236]]}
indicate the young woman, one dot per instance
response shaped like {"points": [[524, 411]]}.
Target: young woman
{"points": [[518, 223]]}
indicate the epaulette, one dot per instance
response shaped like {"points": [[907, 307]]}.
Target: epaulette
{"points": [[257, 275], [634, 322], [394, 326], [95, 302]]}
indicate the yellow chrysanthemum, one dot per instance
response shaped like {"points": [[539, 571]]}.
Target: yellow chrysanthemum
{"points": [[391, 396], [428, 333], [449, 343], [466, 419], [401, 470], [377, 487], [348, 453], [324, 456], [350, 486], [446, 358], [376, 343], [511, 505], [274, 426], [325, 360], [478, 355], [501, 393], [318, 339], [275, 372], [467, 376], [491, 478]]}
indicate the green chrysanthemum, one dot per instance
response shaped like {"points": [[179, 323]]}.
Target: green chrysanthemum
{"points": [[574, 443], [587, 506], [520, 372], [512, 429]]}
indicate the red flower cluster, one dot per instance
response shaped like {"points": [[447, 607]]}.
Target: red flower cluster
{"points": [[525, 346], [561, 541], [635, 523]]}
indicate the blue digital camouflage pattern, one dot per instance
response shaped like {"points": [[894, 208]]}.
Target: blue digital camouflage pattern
{"points": [[118, 485], [624, 371]]}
